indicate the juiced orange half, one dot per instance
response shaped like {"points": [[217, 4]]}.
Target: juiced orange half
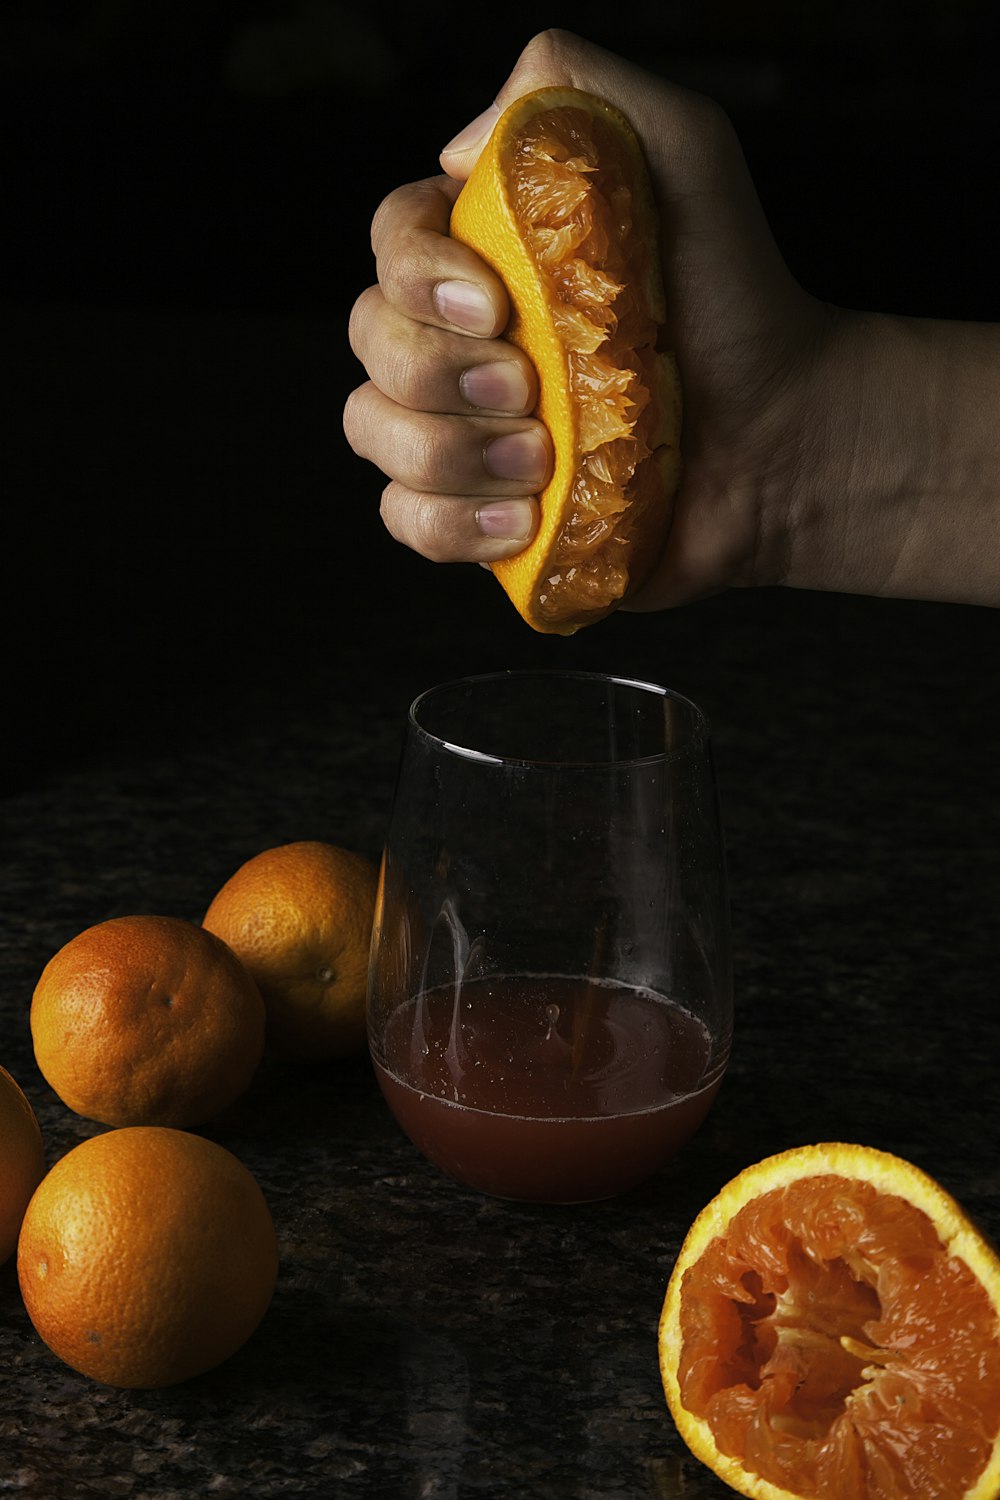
{"points": [[560, 205], [831, 1331]]}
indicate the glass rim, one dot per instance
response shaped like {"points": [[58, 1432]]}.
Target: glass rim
{"points": [[697, 739]]}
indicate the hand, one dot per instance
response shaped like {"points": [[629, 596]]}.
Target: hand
{"points": [[445, 412], [806, 447]]}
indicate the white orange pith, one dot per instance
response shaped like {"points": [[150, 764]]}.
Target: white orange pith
{"points": [[831, 1331]]}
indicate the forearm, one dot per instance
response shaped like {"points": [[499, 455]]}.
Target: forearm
{"points": [[897, 487]]}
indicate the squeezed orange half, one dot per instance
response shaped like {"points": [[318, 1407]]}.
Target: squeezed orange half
{"points": [[560, 205], [831, 1331]]}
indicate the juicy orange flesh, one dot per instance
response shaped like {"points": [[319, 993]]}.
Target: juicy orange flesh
{"points": [[837, 1350], [575, 209]]}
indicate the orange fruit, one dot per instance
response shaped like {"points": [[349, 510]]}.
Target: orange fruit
{"points": [[300, 918], [831, 1329], [22, 1160], [560, 205], [147, 1021], [147, 1256]]}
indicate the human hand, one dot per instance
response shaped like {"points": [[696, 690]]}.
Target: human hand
{"points": [[446, 410], [802, 447]]}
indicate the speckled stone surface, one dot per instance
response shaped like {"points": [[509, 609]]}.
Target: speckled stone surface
{"points": [[425, 1341]]}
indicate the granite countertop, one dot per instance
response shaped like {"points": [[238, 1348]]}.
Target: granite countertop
{"points": [[424, 1340]]}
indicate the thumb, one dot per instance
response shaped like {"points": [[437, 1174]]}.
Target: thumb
{"points": [[690, 145], [459, 156], [695, 159], [551, 59], [540, 65]]}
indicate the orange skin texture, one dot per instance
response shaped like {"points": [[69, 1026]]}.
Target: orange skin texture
{"points": [[147, 1256], [484, 218], [147, 1020], [22, 1160], [300, 918], [851, 1332]]}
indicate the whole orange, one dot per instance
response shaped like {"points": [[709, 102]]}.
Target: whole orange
{"points": [[147, 1020], [147, 1256], [22, 1160], [300, 918]]}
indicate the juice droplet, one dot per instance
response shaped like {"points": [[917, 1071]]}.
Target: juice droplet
{"points": [[552, 1015]]}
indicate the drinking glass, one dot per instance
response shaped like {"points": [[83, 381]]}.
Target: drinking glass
{"points": [[550, 995]]}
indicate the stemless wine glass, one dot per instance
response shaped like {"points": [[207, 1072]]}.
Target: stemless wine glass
{"points": [[550, 994]]}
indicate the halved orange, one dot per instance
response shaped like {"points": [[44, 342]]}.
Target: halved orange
{"points": [[559, 203], [831, 1330]]}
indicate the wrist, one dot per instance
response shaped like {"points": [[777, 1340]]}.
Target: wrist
{"points": [[896, 489]]}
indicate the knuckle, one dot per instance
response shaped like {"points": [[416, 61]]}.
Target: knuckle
{"points": [[430, 531], [423, 522], [430, 453], [360, 319], [551, 52], [401, 276], [704, 130], [384, 216], [389, 510], [351, 418], [407, 374], [708, 118], [394, 351]]}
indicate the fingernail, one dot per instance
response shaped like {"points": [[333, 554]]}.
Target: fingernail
{"points": [[517, 455], [506, 520], [500, 386], [476, 131], [465, 305]]}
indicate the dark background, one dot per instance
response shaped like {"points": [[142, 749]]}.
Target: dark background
{"points": [[187, 190]]}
